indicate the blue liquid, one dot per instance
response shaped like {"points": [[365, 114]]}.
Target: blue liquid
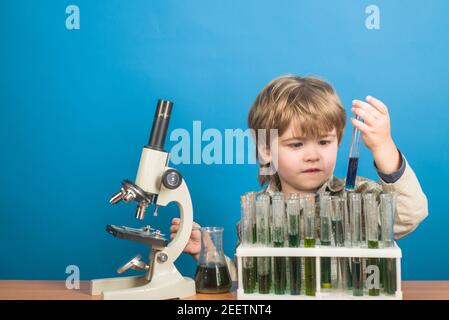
{"points": [[352, 173]]}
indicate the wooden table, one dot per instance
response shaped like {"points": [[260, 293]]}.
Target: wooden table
{"points": [[56, 290]]}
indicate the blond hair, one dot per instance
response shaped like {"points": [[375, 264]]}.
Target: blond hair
{"points": [[311, 104]]}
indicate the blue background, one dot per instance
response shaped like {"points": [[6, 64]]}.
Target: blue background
{"points": [[76, 107]]}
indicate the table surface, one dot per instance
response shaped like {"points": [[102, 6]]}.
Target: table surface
{"points": [[56, 290]]}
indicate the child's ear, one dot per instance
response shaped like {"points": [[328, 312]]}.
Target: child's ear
{"points": [[264, 154]]}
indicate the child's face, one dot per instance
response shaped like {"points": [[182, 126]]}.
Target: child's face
{"points": [[297, 155]]}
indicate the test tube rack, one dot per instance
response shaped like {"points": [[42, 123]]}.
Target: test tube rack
{"points": [[318, 252]]}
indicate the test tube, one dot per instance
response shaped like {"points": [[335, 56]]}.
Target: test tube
{"points": [[278, 238], [263, 240], [355, 209], [252, 200], [325, 239], [372, 236], [372, 220], [246, 225], [337, 221], [387, 214], [347, 235], [354, 154], [346, 220], [309, 242], [344, 278], [318, 196], [293, 210]]}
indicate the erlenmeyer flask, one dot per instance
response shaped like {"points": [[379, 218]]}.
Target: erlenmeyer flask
{"points": [[212, 273]]}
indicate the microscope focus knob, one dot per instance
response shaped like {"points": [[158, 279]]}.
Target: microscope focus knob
{"points": [[171, 179]]}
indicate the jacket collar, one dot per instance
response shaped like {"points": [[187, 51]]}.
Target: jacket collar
{"points": [[333, 184]]}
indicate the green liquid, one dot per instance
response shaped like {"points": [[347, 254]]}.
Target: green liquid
{"points": [[293, 240], [326, 281], [348, 273], [280, 271], [249, 280], [389, 276], [381, 272], [295, 266], [326, 230], [264, 274], [264, 283], [212, 278], [357, 277], [295, 275], [373, 244], [309, 243], [255, 259], [310, 269]]}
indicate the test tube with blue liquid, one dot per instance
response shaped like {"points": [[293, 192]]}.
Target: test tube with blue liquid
{"points": [[354, 154]]}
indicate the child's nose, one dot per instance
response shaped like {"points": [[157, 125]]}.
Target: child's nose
{"points": [[311, 154]]}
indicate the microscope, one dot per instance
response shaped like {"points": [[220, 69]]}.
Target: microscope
{"points": [[155, 184]]}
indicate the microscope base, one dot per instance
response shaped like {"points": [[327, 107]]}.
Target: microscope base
{"points": [[138, 288], [97, 286]]}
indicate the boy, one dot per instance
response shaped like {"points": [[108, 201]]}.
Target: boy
{"points": [[310, 120]]}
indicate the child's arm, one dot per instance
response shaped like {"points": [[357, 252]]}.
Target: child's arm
{"points": [[193, 246], [394, 170], [411, 201]]}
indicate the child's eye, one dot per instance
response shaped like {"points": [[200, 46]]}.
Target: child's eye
{"points": [[295, 145], [324, 142]]}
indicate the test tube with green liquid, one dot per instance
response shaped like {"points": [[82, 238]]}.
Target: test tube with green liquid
{"points": [[325, 238], [387, 216], [252, 200], [347, 236], [263, 240], [355, 211], [343, 270], [246, 225], [372, 236], [278, 239], [309, 242], [293, 214]]}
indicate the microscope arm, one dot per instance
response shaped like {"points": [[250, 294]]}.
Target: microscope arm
{"points": [[181, 196]]}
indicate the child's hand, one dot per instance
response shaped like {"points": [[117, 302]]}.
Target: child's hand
{"points": [[193, 246], [376, 133]]}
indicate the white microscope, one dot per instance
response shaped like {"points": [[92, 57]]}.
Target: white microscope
{"points": [[159, 185]]}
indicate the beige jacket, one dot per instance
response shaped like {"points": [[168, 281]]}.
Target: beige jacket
{"points": [[411, 202]]}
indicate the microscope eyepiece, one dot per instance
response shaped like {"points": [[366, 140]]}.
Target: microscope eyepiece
{"points": [[160, 124]]}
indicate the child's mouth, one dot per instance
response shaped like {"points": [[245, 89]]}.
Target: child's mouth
{"points": [[313, 170]]}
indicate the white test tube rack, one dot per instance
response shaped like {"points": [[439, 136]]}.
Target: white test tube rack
{"points": [[318, 252]]}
